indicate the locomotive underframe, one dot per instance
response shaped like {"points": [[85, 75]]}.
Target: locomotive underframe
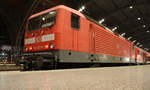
{"points": [[50, 59]]}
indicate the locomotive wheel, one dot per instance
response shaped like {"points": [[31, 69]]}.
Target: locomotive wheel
{"points": [[26, 66], [39, 63], [52, 64], [23, 68], [93, 65]]}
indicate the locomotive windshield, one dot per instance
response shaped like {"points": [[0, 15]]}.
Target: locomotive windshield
{"points": [[43, 21]]}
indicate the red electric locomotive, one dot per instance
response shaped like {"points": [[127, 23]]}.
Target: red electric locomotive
{"points": [[64, 35]]}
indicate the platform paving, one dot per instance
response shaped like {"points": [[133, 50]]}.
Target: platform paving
{"points": [[104, 78]]}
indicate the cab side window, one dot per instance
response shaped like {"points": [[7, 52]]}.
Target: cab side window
{"points": [[75, 21]]}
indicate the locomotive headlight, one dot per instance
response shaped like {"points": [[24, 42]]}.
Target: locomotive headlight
{"points": [[46, 46], [51, 45], [30, 48]]}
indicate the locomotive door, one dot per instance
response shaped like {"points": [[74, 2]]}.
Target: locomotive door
{"points": [[136, 55], [75, 40], [92, 39], [133, 54], [75, 24]]}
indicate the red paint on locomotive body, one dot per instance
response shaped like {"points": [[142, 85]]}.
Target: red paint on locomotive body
{"points": [[89, 37]]}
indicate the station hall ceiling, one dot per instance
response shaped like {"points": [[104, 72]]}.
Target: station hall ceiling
{"points": [[130, 18]]}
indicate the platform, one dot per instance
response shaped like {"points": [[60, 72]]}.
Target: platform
{"points": [[9, 67], [104, 78]]}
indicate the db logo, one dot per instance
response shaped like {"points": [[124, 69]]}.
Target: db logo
{"points": [[38, 39]]}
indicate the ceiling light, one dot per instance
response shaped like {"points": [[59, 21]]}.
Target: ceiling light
{"points": [[144, 26], [137, 43], [147, 31], [129, 38], [134, 41], [131, 7], [140, 45], [101, 21], [139, 18], [81, 9], [115, 28], [146, 49], [123, 34]]}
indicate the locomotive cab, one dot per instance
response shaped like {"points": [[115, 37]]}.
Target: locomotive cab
{"points": [[40, 33], [40, 40]]}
